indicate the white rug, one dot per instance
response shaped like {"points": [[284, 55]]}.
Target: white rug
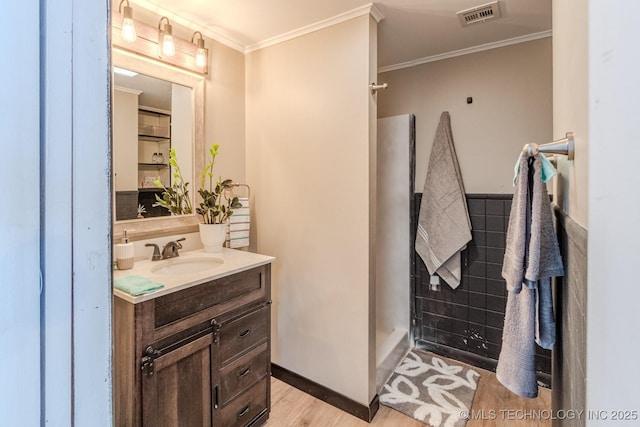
{"points": [[431, 389]]}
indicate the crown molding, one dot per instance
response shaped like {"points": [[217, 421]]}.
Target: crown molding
{"points": [[367, 9], [375, 12], [127, 90], [466, 51]]}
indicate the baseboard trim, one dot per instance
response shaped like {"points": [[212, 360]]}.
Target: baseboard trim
{"points": [[544, 379], [459, 355], [325, 394]]}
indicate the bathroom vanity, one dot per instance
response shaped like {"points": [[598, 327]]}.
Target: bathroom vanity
{"points": [[196, 352]]}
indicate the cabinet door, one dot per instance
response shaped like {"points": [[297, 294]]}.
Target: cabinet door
{"points": [[176, 391]]}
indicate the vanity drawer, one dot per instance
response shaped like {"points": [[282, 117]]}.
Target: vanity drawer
{"points": [[243, 333], [243, 372], [223, 293], [243, 410]]}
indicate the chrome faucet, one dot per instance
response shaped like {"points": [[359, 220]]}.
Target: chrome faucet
{"points": [[170, 250]]}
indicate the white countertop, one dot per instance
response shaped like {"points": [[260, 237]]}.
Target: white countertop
{"points": [[235, 261]]}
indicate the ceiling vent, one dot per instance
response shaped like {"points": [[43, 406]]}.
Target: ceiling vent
{"points": [[479, 14]]}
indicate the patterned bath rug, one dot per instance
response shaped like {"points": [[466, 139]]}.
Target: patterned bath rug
{"points": [[431, 389]]}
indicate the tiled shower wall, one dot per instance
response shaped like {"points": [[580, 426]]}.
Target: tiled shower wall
{"points": [[466, 323], [569, 359]]}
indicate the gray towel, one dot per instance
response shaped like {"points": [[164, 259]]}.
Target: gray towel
{"points": [[516, 365], [444, 228], [532, 250], [532, 256]]}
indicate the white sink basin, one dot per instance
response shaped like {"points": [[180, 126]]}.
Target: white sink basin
{"points": [[186, 265]]}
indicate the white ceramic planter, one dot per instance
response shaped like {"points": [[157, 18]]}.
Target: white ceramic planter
{"points": [[213, 236]]}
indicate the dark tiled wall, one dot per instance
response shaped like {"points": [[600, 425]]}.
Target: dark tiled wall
{"points": [[147, 197], [126, 205], [466, 323], [569, 359]]}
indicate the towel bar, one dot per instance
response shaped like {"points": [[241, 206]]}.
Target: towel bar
{"points": [[565, 146], [374, 87], [236, 184]]}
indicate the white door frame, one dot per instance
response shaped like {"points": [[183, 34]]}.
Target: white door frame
{"points": [[20, 215], [55, 363]]}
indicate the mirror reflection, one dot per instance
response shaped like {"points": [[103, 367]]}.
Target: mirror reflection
{"points": [[150, 117]]}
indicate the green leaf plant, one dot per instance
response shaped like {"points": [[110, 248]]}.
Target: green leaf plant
{"points": [[216, 205], [175, 198]]}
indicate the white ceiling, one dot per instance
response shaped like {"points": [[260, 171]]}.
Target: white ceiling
{"points": [[411, 29]]}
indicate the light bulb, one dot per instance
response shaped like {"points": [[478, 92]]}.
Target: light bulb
{"points": [[168, 48], [201, 52], [201, 57], [165, 38], [128, 27], [128, 30]]}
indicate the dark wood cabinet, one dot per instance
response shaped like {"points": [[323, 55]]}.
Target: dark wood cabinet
{"points": [[196, 357], [178, 391]]}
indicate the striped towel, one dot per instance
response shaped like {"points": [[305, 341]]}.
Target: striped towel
{"points": [[239, 225]]}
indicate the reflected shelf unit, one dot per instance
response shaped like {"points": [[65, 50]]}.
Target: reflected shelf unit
{"points": [[154, 137], [153, 165]]}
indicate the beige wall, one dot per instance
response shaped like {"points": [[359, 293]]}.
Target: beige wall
{"points": [[308, 164], [570, 104], [512, 105], [125, 140], [225, 110], [181, 128]]}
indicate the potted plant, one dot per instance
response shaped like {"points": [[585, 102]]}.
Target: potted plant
{"points": [[216, 206], [175, 198]]}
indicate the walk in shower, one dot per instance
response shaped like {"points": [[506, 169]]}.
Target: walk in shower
{"points": [[395, 188]]}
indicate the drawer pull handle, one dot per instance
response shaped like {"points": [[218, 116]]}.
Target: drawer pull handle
{"points": [[244, 372], [244, 333], [244, 411]]}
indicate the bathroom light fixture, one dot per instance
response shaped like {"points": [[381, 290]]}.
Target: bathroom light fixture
{"points": [[158, 43], [165, 38], [201, 52], [128, 26]]}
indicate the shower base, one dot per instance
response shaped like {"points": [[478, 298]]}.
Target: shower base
{"points": [[390, 349]]}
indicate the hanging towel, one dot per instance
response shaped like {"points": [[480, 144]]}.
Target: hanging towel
{"points": [[239, 225], [444, 228], [532, 251], [548, 171], [532, 257]]}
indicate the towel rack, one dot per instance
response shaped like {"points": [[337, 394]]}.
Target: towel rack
{"points": [[236, 184], [374, 87], [565, 146]]}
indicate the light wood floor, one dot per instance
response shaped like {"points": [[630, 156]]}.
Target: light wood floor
{"points": [[291, 407]]}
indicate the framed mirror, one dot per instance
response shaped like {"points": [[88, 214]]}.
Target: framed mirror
{"points": [[156, 108]]}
